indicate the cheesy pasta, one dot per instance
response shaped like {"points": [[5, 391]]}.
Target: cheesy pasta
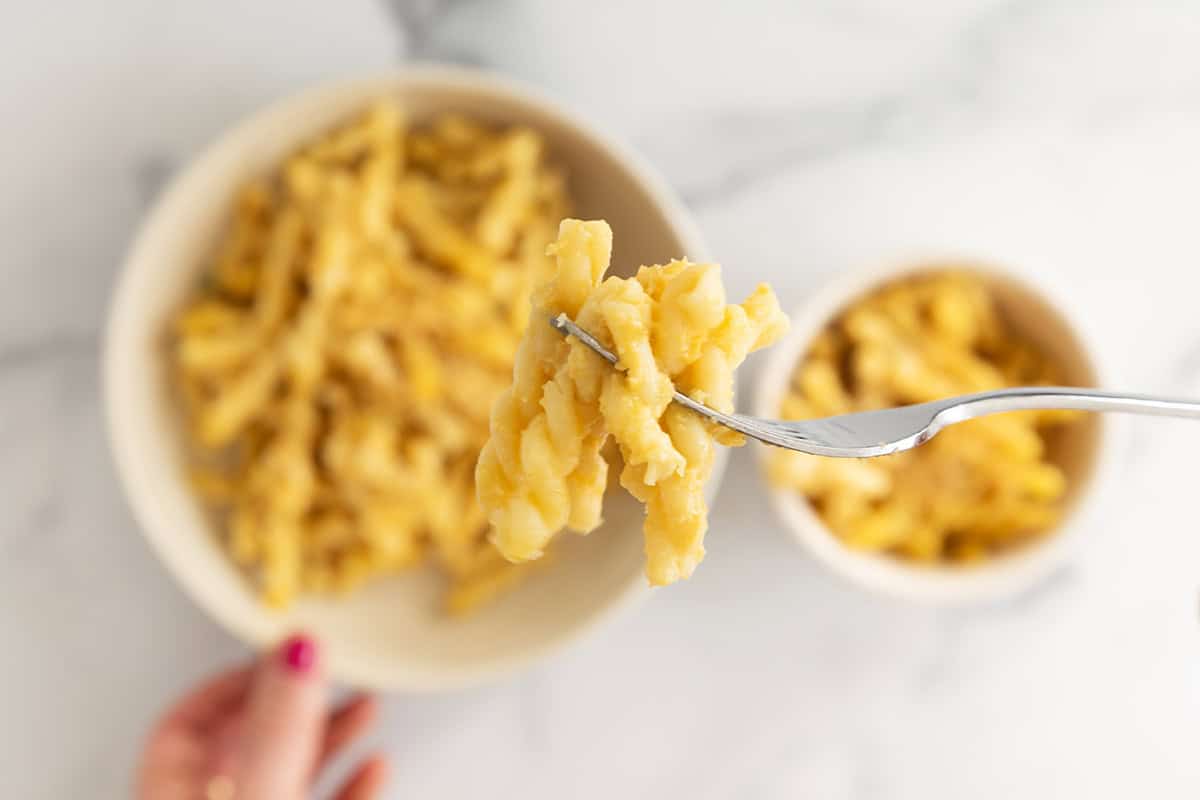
{"points": [[976, 489], [542, 470], [338, 365]]}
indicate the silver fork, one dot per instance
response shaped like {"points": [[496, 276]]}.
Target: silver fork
{"points": [[878, 433]]}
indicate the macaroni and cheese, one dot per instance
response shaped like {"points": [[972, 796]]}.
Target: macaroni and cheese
{"points": [[338, 366], [977, 488], [542, 470]]}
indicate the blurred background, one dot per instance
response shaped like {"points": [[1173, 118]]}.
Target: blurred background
{"points": [[799, 133]]}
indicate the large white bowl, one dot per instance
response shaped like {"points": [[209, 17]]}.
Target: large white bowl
{"points": [[1084, 452], [390, 634]]}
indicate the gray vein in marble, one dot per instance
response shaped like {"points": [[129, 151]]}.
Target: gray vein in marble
{"points": [[150, 176], [59, 346], [43, 520], [44, 517], [812, 135], [802, 136], [1041, 592], [416, 21], [35, 518], [1180, 377], [1183, 373], [978, 48], [954, 625]]}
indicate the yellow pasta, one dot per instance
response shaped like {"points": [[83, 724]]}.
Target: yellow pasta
{"points": [[977, 488], [338, 364], [542, 469]]}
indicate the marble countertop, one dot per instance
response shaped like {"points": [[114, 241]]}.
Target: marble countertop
{"points": [[800, 134]]}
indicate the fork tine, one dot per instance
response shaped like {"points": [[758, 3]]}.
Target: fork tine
{"points": [[806, 437], [866, 434], [749, 426], [566, 326]]}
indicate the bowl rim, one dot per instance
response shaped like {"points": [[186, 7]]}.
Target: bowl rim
{"points": [[120, 355], [994, 579]]}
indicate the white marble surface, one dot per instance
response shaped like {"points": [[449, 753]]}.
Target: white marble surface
{"points": [[800, 133]]}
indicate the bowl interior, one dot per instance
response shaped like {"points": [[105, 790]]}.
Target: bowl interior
{"points": [[1076, 449], [389, 634]]}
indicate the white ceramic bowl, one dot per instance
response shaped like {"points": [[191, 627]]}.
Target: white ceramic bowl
{"points": [[389, 635], [1083, 453]]}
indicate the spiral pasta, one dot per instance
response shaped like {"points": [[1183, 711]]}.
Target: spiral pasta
{"points": [[975, 490], [339, 362], [542, 469]]}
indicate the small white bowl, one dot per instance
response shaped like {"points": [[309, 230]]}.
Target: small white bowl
{"points": [[389, 635], [1084, 453]]}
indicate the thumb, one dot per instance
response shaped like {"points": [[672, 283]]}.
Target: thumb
{"points": [[285, 719]]}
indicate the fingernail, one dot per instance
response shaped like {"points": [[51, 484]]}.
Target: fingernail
{"points": [[299, 653]]}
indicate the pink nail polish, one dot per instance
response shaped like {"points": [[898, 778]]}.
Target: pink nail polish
{"points": [[299, 653]]}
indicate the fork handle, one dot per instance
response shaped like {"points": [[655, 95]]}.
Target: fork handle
{"points": [[1029, 398]]}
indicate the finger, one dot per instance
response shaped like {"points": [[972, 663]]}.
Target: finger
{"points": [[367, 781], [285, 715], [172, 757], [178, 748], [176, 754], [225, 741], [168, 787], [211, 699], [349, 722]]}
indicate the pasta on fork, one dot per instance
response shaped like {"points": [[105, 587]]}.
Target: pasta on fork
{"points": [[542, 470]]}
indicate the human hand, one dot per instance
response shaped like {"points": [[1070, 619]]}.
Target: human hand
{"points": [[261, 732]]}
